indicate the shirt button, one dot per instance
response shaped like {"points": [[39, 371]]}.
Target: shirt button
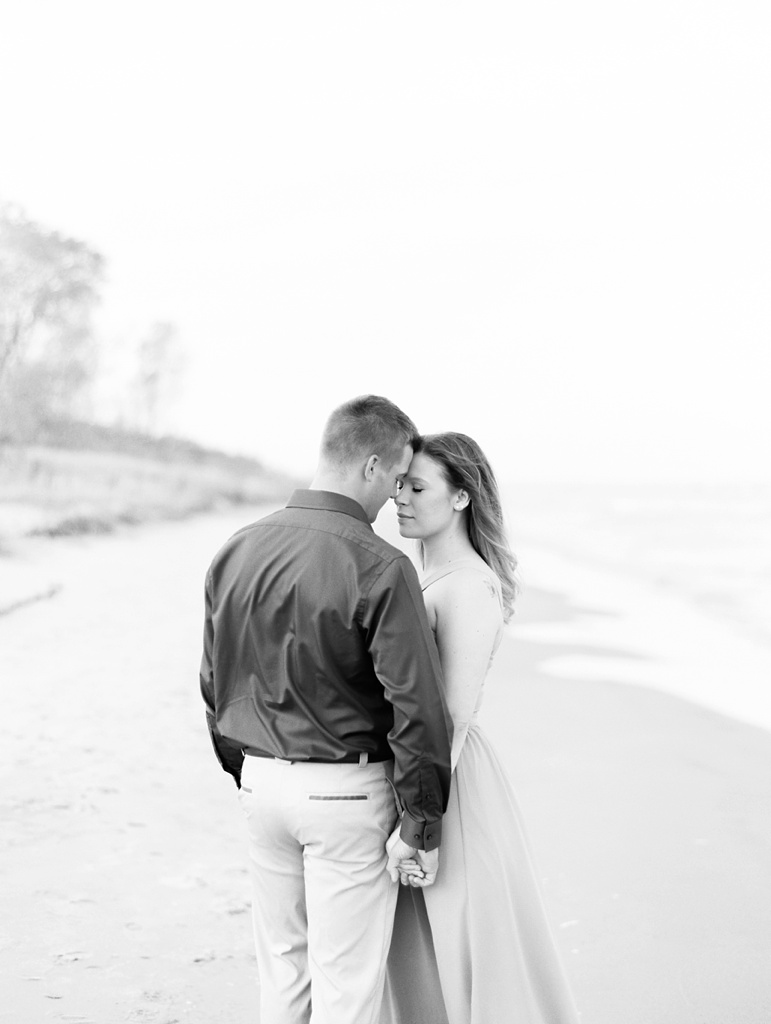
{"points": [[416, 836]]}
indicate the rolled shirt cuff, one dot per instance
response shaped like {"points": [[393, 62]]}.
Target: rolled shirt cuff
{"points": [[229, 754], [421, 835]]}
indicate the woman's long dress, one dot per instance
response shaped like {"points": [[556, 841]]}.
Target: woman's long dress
{"points": [[476, 947]]}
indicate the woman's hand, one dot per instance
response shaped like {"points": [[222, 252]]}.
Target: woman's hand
{"points": [[411, 873], [410, 866], [421, 871]]}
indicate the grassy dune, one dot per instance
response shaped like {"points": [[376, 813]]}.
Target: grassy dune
{"points": [[80, 478]]}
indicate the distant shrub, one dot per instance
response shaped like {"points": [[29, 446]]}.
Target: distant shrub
{"points": [[74, 526]]}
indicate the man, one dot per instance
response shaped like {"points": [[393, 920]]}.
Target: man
{"points": [[322, 685]]}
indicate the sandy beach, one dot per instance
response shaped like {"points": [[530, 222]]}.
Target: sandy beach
{"points": [[124, 889]]}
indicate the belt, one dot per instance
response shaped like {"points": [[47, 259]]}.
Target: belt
{"points": [[364, 758]]}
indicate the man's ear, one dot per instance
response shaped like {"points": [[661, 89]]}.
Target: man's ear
{"points": [[369, 466]]}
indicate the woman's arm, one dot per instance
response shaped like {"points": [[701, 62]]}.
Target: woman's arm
{"points": [[468, 618]]}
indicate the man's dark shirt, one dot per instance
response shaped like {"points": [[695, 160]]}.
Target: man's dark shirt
{"points": [[317, 647]]}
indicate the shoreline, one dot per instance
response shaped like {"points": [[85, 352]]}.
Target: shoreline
{"points": [[632, 632], [629, 630]]}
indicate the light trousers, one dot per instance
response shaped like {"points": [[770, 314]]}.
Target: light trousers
{"points": [[323, 904]]}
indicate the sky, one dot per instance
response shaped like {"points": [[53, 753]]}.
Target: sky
{"points": [[545, 225]]}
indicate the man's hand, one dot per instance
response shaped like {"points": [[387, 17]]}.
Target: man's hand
{"points": [[408, 865]]}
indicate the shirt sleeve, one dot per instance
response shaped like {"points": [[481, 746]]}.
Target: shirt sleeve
{"points": [[229, 755], [406, 661]]}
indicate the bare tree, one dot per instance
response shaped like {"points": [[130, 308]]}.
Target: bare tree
{"points": [[160, 367], [48, 288]]}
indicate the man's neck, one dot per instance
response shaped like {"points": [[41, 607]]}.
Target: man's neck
{"points": [[336, 483]]}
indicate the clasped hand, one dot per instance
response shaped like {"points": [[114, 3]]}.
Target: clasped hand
{"points": [[409, 866]]}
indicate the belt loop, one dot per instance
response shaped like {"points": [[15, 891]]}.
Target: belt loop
{"points": [[363, 759]]}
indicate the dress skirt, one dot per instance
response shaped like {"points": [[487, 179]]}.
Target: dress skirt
{"points": [[476, 947]]}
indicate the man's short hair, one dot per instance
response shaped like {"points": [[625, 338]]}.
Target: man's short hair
{"points": [[364, 426]]}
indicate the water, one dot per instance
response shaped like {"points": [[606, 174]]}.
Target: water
{"points": [[708, 544], [672, 587]]}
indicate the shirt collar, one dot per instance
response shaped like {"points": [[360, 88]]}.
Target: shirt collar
{"points": [[329, 501]]}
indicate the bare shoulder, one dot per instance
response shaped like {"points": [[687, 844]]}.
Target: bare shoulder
{"points": [[469, 592]]}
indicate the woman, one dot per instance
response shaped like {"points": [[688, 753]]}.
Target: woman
{"points": [[475, 947]]}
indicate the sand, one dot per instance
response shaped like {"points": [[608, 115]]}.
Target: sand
{"points": [[124, 889]]}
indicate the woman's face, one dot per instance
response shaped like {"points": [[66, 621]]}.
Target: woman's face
{"points": [[425, 503]]}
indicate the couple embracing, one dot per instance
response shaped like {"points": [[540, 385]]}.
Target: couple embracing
{"points": [[392, 882]]}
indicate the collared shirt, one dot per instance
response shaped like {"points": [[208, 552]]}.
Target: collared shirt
{"points": [[317, 647]]}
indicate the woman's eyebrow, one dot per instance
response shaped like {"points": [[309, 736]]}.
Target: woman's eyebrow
{"points": [[415, 479]]}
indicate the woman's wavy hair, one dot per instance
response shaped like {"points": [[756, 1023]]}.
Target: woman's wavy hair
{"points": [[465, 467]]}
